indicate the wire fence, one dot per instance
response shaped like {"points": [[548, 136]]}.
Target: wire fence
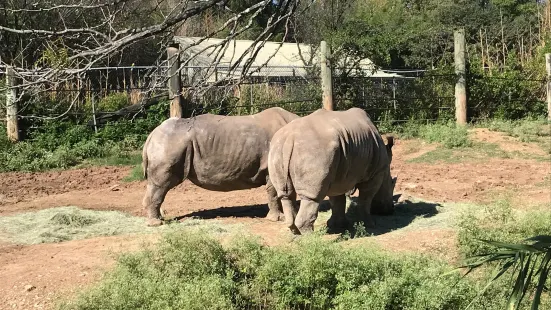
{"points": [[390, 96]]}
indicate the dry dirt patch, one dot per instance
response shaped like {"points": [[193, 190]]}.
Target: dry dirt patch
{"points": [[507, 143], [53, 268]]}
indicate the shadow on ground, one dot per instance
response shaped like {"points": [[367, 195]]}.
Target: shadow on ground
{"points": [[404, 214], [250, 211]]}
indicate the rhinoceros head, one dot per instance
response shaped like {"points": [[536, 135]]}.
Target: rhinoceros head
{"points": [[383, 201]]}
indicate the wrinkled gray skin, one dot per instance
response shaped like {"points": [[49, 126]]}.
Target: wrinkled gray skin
{"points": [[331, 153], [218, 153]]}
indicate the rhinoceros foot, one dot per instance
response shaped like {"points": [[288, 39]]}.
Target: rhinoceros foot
{"points": [[154, 222], [275, 216], [337, 226]]}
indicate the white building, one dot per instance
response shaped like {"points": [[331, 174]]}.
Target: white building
{"points": [[281, 59]]}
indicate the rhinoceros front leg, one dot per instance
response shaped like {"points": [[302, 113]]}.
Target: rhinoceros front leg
{"points": [[337, 222], [154, 197], [307, 215], [367, 192], [275, 208]]}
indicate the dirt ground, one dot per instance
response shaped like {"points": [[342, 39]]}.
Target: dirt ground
{"points": [[34, 275]]}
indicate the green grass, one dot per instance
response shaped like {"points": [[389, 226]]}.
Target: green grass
{"points": [[526, 130], [61, 145], [72, 223], [448, 134], [122, 159], [478, 151], [194, 271], [499, 222], [135, 175]]}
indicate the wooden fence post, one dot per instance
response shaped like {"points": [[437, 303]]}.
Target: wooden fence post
{"points": [[11, 106], [548, 69], [326, 82], [174, 83], [461, 81]]}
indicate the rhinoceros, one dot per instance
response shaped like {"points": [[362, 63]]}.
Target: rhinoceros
{"points": [[331, 153], [218, 153]]}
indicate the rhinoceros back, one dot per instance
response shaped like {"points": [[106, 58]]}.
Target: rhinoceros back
{"points": [[331, 152], [220, 153]]}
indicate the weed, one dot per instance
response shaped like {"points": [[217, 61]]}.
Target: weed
{"points": [[499, 222], [476, 152], [135, 175], [193, 271], [448, 134]]}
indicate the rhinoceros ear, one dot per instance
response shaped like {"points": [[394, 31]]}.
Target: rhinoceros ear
{"points": [[394, 179]]}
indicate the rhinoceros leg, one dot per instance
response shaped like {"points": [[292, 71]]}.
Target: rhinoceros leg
{"points": [[337, 222], [154, 197], [290, 214], [307, 215], [367, 192], [274, 204]]}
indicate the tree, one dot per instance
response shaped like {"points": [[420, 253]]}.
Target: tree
{"points": [[52, 41]]}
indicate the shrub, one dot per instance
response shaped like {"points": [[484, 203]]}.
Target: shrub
{"points": [[450, 135], [499, 222], [63, 144], [193, 271], [526, 129]]}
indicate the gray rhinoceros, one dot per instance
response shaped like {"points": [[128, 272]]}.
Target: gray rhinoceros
{"points": [[331, 153], [218, 153]]}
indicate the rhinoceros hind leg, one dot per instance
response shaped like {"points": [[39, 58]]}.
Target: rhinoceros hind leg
{"points": [[154, 197], [337, 222], [307, 215], [290, 214]]}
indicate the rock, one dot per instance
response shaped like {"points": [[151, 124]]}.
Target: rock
{"points": [[29, 287], [115, 188]]}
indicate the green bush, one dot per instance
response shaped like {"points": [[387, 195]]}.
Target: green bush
{"points": [[192, 271], [63, 144], [448, 134], [109, 103], [526, 130], [499, 222]]}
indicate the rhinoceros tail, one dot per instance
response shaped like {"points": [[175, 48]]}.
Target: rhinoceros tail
{"points": [[144, 157], [287, 153], [390, 141]]}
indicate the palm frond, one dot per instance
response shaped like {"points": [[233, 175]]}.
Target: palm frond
{"points": [[525, 261]]}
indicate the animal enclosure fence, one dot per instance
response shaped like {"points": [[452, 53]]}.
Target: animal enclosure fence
{"points": [[103, 94]]}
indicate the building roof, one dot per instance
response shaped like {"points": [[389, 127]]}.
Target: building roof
{"points": [[283, 59]]}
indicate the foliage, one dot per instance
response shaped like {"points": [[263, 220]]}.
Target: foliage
{"points": [[527, 130], [62, 144], [135, 175], [448, 134], [529, 262], [499, 222], [111, 102], [193, 271]]}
